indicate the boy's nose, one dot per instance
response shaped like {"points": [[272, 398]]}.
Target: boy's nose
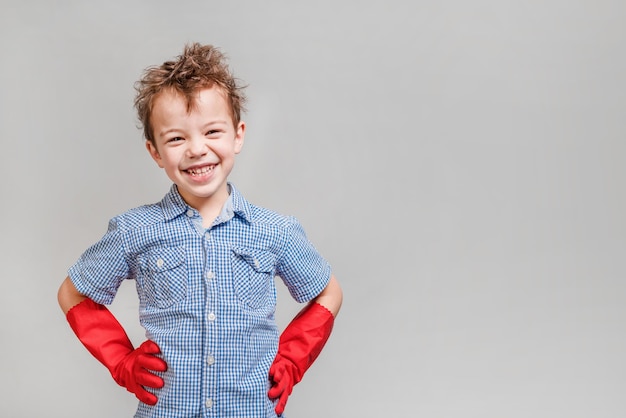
{"points": [[197, 148]]}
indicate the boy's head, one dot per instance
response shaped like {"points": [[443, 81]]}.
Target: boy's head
{"points": [[198, 67]]}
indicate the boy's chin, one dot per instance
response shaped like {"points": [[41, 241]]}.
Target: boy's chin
{"points": [[202, 193]]}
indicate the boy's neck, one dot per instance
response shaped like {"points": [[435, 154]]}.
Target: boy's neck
{"points": [[210, 207], [209, 215]]}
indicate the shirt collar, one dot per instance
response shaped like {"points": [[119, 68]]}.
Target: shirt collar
{"points": [[240, 205], [173, 204]]}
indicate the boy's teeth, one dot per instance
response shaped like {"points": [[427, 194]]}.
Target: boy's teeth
{"points": [[199, 171]]}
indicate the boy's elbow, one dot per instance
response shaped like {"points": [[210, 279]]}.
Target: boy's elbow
{"points": [[338, 293], [68, 296], [332, 296]]}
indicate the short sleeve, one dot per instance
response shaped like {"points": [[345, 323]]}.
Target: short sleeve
{"points": [[303, 270], [101, 269]]}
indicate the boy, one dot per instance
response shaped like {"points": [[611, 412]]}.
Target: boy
{"points": [[203, 260]]}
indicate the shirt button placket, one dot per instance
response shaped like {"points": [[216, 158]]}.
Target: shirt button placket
{"points": [[210, 277], [210, 361]]}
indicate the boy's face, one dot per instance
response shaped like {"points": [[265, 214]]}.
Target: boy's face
{"points": [[196, 149]]}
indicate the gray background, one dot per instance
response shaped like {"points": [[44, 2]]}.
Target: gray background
{"points": [[460, 163]]}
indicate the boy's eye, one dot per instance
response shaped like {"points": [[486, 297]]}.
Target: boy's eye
{"points": [[175, 139], [212, 132]]}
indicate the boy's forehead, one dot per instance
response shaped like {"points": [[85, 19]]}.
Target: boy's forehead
{"points": [[213, 96], [172, 93]]}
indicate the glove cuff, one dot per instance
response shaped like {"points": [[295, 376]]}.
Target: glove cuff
{"points": [[100, 332], [305, 336]]}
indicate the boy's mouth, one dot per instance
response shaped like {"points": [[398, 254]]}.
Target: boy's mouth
{"points": [[200, 171]]}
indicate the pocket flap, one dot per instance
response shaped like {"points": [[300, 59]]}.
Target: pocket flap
{"points": [[163, 259], [261, 261]]}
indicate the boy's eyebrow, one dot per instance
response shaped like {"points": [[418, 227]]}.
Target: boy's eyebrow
{"points": [[205, 126], [167, 131], [215, 122]]}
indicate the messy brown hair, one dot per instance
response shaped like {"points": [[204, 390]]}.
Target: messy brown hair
{"points": [[198, 67]]}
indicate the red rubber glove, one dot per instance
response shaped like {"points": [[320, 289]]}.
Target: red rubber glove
{"points": [[105, 338], [299, 345]]}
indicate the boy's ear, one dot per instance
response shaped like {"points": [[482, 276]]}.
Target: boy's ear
{"points": [[154, 153], [240, 133]]}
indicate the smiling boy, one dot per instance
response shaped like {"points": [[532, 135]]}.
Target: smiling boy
{"points": [[203, 260], [196, 148]]}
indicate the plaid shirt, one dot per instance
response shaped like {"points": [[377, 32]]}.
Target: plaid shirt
{"points": [[206, 297]]}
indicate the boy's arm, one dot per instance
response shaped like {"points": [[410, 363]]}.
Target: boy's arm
{"points": [[68, 296], [302, 341], [105, 338], [331, 297]]}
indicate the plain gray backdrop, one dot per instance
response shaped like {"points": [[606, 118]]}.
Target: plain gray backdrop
{"points": [[461, 164]]}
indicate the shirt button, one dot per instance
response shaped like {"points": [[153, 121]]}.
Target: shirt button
{"points": [[210, 275], [160, 263], [190, 213], [209, 403], [210, 360], [256, 263], [211, 317]]}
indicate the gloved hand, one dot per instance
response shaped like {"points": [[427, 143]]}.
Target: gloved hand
{"points": [[105, 338], [133, 372], [299, 345]]}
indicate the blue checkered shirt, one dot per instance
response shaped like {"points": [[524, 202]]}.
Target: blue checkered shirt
{"points": [[206, 297]]}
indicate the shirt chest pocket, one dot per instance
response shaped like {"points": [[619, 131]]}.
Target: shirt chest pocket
{"points": [[163, 276], [253, 277]]}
